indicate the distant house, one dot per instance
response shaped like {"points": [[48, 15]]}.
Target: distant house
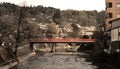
{"points": [[89, 31], [115, 33]]}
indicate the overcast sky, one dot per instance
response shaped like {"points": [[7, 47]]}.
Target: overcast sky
{"points": [[64, 4]]}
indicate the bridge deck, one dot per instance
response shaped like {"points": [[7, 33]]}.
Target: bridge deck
{"points": [[61, 40]]}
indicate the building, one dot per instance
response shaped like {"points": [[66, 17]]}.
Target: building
{"points": [[115, 34], [112, 11]]}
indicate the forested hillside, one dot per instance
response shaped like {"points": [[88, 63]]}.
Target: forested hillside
{"points": [[44, 14], [27, 19], [84, 18]]}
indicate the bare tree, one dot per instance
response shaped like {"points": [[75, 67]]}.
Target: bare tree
{"points": [[99, 45], [20, 17]]}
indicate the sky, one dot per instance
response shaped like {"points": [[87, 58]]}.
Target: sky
{"points": [[64, 4]]}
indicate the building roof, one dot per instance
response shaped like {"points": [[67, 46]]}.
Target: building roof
{"points": [[114, 20]]}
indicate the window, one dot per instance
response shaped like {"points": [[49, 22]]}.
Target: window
{"points": [[109, 5], [110, 15], [119, 33], [118, 4]]}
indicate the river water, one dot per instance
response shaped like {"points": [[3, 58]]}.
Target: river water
{"points": [[57, 61]]}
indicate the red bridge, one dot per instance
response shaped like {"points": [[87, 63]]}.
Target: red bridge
{"points": [[61, 40], [58, 40]]}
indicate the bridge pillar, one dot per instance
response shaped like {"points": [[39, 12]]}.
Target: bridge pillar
{"points": [[53, 47], [31, 46]]}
